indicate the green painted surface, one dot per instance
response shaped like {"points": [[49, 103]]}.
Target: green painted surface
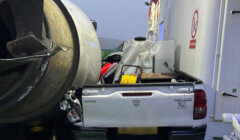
{"points": [[234, 90], [106, 53], [217, 138], [89, 136]]}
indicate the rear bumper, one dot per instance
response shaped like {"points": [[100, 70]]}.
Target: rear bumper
{"points": [[164, 133], [197, 133]]}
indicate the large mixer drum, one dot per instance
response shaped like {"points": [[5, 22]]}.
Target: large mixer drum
{"points": [[46, 47]]}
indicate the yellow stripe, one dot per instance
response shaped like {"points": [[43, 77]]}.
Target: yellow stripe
{"points": [[138, 131]]}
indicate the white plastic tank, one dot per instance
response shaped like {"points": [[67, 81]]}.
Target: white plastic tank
{"points": [[165, 53]]}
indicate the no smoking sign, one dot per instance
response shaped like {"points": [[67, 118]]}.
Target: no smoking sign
{"points": [[194, 30]]}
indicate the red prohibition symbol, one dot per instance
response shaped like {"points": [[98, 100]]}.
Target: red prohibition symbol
{"points": [[195, 24]]}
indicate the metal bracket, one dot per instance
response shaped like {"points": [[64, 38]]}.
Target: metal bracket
{"points": [[28, 45], [6, 64], [29, 49], [170, 69], [229, 95], [235, 12]]}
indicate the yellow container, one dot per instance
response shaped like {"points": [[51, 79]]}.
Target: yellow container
{"points": [[128, 79]]}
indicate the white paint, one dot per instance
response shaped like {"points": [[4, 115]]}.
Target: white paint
{"points": [[217, 39], [115, 110], [228, 76]]}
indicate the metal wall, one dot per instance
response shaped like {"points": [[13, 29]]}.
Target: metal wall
{"points": [[196, 27]]}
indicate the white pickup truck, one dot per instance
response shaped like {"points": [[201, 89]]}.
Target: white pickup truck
{"points": [[176, 108]]}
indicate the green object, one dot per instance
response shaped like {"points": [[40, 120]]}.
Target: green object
{"points": [[119, 48], [234, 90], [105, 53]]}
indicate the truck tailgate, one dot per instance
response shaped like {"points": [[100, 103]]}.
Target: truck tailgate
{"points": [[138, 106]]}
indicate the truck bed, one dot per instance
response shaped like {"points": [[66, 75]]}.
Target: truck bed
{"points": [[151, 103]]}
